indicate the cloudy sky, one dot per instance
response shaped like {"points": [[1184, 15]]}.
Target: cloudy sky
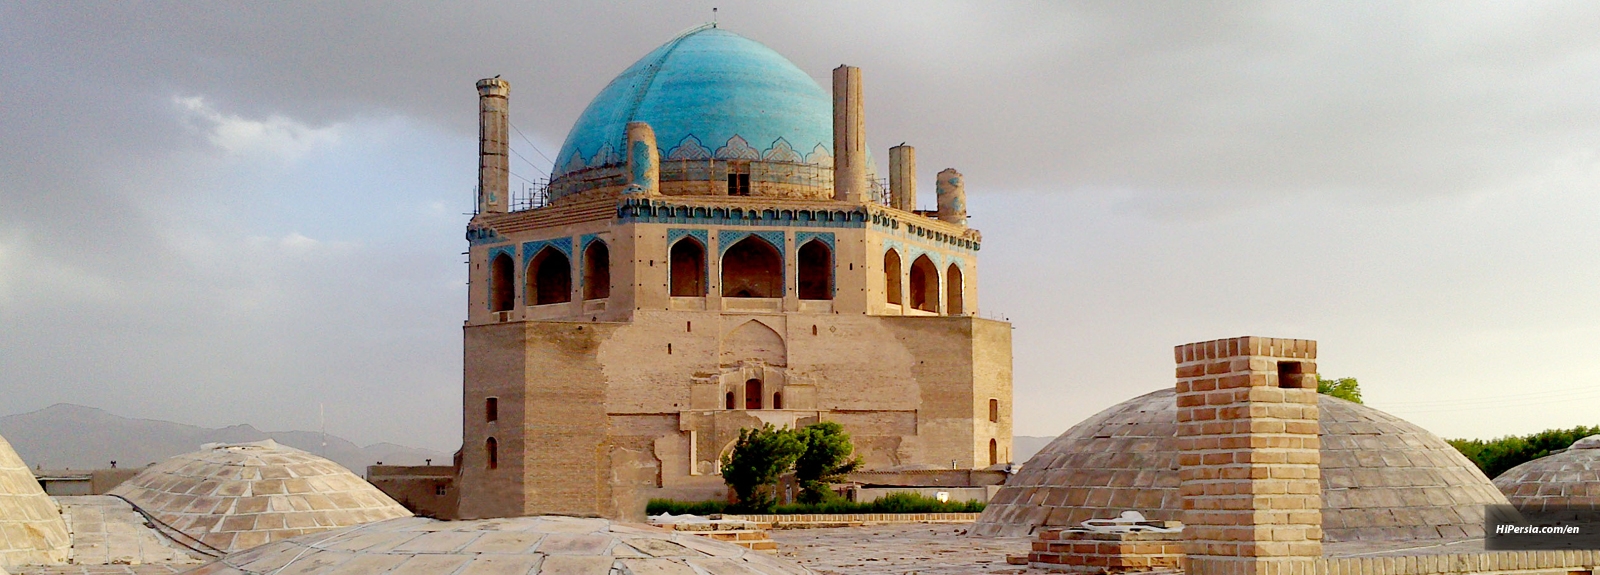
{"points": [[228, 213]]}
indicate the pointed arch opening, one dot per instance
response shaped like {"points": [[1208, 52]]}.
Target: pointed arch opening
{"points": [[752, 268], [596, 271], [549, 278], [502, 283], [491, 452], [953, 288], [752, 394], [891, 275], [688, 268], [924, 285], [816, 270], [994, 452]]}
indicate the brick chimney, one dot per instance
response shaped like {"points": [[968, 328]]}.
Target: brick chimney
{"points": [[1249, 456]]}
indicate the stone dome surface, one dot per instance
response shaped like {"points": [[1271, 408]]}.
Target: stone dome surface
{"points": [[707, 93], [523, 545], [1383, 478], [238, 496], [1568, 479], [32, 531]]}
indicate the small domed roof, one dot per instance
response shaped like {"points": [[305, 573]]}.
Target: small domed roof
{"points": [[707, 93], [1568, 479], [531, 545], [238, 496], [32, 531], [1383, 478]]}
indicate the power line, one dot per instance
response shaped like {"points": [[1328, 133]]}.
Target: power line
{"points": [[530, 164], [1553, 394], [519, 176], [530, 143]]}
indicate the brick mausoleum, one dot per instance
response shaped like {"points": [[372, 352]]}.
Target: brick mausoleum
{"points": [[714, 252]]}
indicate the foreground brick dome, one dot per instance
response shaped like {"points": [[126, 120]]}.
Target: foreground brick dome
{"points": [[530, 545], [235, 497], [1383, 478], [1569, 479], [31, 529]]}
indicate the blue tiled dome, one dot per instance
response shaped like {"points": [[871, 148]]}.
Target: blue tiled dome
{"points": [[708, 93]]}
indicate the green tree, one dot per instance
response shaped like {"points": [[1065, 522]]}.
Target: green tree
{"points": [[1496, 456], [758, 458], [1344, 388], [826, 460]]}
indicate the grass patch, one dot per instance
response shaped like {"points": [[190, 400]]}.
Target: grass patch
{"points": [[903, 502]]}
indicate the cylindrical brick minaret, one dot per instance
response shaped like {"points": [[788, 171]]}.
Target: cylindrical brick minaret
{"points": [[952, 190], [1249, 457], [494, 177], [644, 159], [849, 137], [903, 177]]}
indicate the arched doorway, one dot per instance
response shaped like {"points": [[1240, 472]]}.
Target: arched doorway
{"points": [[952, 290], [891, 275], [596, 271], [924, 285], [502, 284], [549, 278], [688, 269], [816, 270], [752, 394], [752, 268]]}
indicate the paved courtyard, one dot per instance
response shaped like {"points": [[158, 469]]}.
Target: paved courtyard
{"points": [[899, 549]]}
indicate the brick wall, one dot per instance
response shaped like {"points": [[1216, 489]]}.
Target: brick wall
{"points": [[1248, 451], [1074, 551]]}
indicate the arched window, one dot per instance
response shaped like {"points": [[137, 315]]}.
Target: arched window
{"points": [[549, 278], [994, 452], [491, 451], [688, 268], [730, 400], [752, 394], [994, 410], [777, 400], [924, 285], [952, 290], [752, 268], [596, 271], [502, 286], [816, 270], [891, 275]]}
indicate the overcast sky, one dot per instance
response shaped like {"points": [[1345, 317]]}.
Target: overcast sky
{"points": [[221, 213]]}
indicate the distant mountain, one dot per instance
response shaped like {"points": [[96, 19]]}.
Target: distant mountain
{"points": [[77, 437], [1022, 446]]}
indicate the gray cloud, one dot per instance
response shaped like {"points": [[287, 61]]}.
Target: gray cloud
{"points": [[1411, 173]]}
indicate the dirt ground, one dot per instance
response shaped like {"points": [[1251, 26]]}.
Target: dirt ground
{"points": [[899, 549]]}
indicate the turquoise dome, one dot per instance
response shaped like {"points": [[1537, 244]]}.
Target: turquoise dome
{"points": [[708, 93]]}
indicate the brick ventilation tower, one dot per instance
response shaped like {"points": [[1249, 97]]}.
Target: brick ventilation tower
{"points": [[1248, 451]]}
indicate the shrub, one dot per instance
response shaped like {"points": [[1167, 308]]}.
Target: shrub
{"points": [[903, 502], [1344, 388], [1495, 456], [659, 506], [758, 458], [826, 460]]}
